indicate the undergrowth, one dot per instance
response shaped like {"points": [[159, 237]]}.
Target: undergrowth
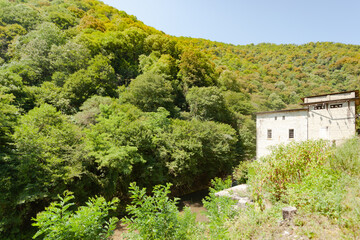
{"points": [[323, 182], [320, 180]]}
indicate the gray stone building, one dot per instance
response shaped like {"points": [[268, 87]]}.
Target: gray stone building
{"points": [[329, 116]]}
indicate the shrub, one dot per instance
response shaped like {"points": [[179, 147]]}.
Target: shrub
{"points": [[219, 209], [322, 191], [240, 173], [286, 164], [89, 222], [347, 157], [157, 216]]}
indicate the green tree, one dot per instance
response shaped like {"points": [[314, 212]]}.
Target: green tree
{"points": [[8, 172], [208, 103], [50, 93], [11, 83], [195, 69], [161, 43], [239, 103], [46, 143], [98, 79], [158, 64], [62, 18], [33, 50], [274, 102], [7, 121], [90, 110], [41, 163], [69, 58], [126, 47], [24, 15], [231, 81], [123, 145], [150, 91], [196, 151], [7, 34]]}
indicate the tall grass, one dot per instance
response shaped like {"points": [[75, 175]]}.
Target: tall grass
{"points": [[346, 158], [323, 182], [286, 164]]}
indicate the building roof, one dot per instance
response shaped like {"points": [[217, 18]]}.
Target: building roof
{"points": [[356, 94], [284, 110], [356, 99]]}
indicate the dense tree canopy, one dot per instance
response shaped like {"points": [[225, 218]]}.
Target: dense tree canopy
{"points": [[91, 99], [149, 92]]}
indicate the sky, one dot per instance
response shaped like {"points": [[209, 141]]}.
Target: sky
{"points": [[242, 22]]}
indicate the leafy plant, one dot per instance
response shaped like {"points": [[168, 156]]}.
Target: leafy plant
{"points": [[157, 216], [322, 191], [219, 209], [285, 165], [240, 173], [90, 222], [347, 157]]}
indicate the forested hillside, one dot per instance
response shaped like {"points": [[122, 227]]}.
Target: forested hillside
{"points": [[92, 99]]}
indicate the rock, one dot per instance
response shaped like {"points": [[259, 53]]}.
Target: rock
{"points": [[238, 193], [288, 212], [234, 192]]}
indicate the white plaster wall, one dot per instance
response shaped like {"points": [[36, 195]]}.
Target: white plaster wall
{"points": [[338, 123], [296, 120], [329, 97]]}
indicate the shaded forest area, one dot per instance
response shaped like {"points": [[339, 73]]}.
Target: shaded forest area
{"points": [[91, 99]]}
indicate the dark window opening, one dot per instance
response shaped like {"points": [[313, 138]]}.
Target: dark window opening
{"points": [[336, 106], [283, 117], [319, 106], [291, 133], [275, 118], [269, 133]]}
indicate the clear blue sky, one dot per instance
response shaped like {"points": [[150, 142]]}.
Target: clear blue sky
{"points": [[251, 21]]}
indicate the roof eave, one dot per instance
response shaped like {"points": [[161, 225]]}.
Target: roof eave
{"points": [[284, 110]]}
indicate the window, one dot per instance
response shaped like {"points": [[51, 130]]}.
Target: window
{"points": [[336, 106], [319, 106], [275, 118], [291, 133], [283, 117], [269, 133]]}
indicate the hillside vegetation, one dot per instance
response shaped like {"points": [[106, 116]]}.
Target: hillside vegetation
{"points": [[92, 99], [321, 181]]}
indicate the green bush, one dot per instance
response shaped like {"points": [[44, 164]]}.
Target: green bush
{"points": [[240, 173], [89, 222], [322, 191], [347, 157], [219, 209], [157, 216], [322, 182], [286, 164]]}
